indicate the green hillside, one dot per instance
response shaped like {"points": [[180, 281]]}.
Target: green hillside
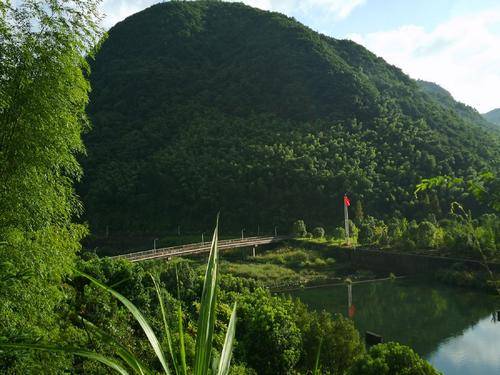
{"points": [[493, 116], [205, 106]]}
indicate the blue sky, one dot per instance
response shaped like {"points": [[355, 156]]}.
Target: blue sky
{"points": [[455, 43]]}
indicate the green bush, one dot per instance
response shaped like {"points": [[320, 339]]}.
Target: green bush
{"points": [[299, 228], [396, 229], [425, 235], [391, 359], [406, 244], [339, 233], [367, 233], [318, 232], [353, 229]]}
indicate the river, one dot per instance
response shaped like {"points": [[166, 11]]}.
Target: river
{"points": [[452, 328]]}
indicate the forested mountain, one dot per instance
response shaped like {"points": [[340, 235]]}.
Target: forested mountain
{"points": [[443, 97], [205, 106], [493, 116]]}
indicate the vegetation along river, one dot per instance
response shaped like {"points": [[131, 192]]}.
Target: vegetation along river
{"points": [[452, 328]]}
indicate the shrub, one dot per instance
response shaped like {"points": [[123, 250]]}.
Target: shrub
{"points": [[308, 235], [339, 233], [353, 229], [299, 228], [366, 234], [425, 235], [371, 230], [318, 232], [391, 359], [396, 229], [406, 244], [367, 230]]}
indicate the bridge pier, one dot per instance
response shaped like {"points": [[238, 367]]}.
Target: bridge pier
{"points": [[253, 250]]}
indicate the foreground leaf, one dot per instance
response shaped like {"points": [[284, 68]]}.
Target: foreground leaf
{"points": [[153, 340], [120, 349], [227, 350], [206, 320], [165, 324], [110, 362]]}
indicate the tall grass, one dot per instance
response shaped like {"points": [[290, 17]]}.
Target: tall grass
{"points": [[125, 362]]}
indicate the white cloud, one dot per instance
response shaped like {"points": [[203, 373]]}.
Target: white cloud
{"points": [[472, 352], [339, 9], [117, 10], [461, 54]]}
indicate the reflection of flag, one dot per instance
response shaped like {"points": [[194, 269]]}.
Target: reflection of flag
{"points": [[347, 202], [352, 310]]}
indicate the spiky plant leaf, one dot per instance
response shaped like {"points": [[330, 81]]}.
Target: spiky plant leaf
{"points": [[181, 327], [165, 324], [153, 340], [206, 321], [120, 349], [110, 362], [227, 350]]}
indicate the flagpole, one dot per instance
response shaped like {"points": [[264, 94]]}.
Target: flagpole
{"points": [[346, 221]]}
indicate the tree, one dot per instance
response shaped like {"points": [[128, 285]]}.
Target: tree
{"points": [[43, 93], [391, 359], [299, 228], [341, 343], [267, 334]]}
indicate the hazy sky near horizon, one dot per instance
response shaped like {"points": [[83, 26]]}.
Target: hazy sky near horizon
{"points": [[455, 43]]}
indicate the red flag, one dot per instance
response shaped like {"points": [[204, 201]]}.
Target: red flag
{"points": [[352, 311], [347, 202]]}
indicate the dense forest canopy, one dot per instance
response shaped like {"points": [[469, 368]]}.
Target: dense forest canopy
{"points": [[493, 116], [205, 106]]}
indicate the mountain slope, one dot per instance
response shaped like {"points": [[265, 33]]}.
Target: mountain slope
{"points": [[493, 116], [205, 106]]}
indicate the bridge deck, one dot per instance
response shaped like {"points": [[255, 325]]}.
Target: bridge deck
{"points": [[200, 247]]}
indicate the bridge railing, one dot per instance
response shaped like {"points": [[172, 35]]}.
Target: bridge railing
{"points": [[198, 247]]}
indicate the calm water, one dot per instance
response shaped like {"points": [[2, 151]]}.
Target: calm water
{"points": [[451, 327]]}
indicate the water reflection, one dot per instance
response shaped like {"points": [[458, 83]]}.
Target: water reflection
{"points": [[474, 352], [451, 327]]}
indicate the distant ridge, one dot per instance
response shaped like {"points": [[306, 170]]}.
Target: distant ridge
{"points": [[493, 116], [443, 97]]}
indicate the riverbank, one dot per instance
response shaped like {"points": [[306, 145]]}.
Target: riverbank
{"points": [[301, 264], [293, 267], [452, 271]]}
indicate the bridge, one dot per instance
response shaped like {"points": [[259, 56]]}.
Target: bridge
{"points": [[200, 247]]}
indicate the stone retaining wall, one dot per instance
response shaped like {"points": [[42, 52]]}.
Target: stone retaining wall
{"points": [[391, 261]]}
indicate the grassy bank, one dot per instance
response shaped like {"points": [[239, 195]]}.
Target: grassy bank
{"points": [[292, 266]]}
